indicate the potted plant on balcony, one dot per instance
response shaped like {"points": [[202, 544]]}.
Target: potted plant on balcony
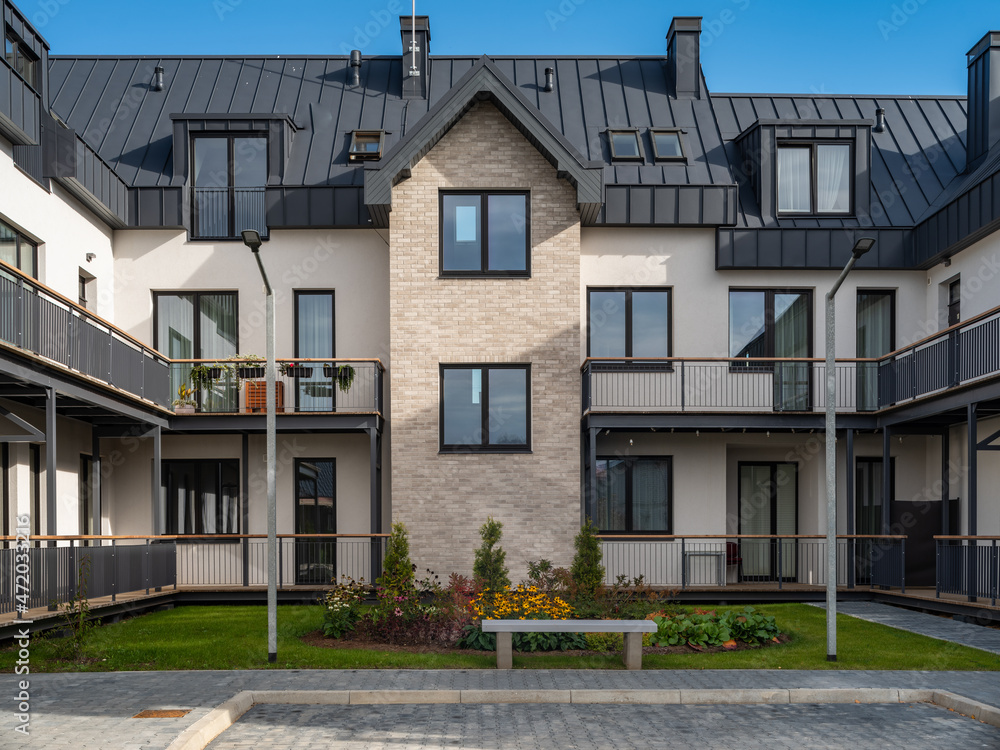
{"points": [[184, 403], [295, 370], [249, 366], [203, 376], [343, 374]]}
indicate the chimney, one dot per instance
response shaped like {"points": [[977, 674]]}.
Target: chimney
{"points": [[984, 96], [416, 34], [684, 56]]}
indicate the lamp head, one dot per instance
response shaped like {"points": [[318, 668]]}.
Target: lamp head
{"points": [[251, 238], [861, 247]]}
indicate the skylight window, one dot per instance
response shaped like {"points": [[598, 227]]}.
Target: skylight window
{"points": [[366, 144], [625, 144], [667, 144]]}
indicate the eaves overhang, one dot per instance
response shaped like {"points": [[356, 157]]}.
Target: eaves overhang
{"points": [[484, 82]]}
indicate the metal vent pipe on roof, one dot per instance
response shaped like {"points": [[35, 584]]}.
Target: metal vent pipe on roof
{"points": [[158, 78], [355, 67], [550, 83], [880, 120]]}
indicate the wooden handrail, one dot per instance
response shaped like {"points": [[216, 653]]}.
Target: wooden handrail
{"points": [[976, 538], [196, 536], [677, 537], [262, 363]]}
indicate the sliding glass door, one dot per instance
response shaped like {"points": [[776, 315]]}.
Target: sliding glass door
{"points": [[768, 506], [315, 513], [876, 334]]}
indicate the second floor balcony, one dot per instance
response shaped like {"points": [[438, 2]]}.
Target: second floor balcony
{"points": [[959, 356]]}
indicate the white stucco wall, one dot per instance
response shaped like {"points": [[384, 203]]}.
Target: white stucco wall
{"points": [[978, 270], [66, 230]]}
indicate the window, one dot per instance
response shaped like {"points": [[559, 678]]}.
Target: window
{"points": [[634, 494], [868, 487], [201, 496], [314, 339], [366, 144], [815, 178], [315, 513], [230, 174], [86, 495], [954, 302], [768, 506], [875, 338], [35, 488], [197, 325], [765, 323], [628, 322], [18, 251], [625, 144], [667, 144], [5, 488], [484, 234], [485, 408], [21, 59]]}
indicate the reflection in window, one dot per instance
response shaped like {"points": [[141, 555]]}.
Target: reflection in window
{"points": [[484, 408], [667, 144], [201, 497], [634, 494], [230, 175], [18, 251], [625, 144], [629, 323], [490, 241]]}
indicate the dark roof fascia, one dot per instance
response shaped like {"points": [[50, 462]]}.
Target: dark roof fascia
{"points": [[24, 19], [810, 123], [989, 39], [236, 116], [778, 95], [483, 78]]}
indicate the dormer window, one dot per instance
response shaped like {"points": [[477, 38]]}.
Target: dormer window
{"points": [[667, 145], [815, 178], [20, 58], [625, 144], [366, 144], [230, 176]]}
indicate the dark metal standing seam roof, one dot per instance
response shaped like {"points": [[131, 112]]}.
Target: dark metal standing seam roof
{"points": [[110, 103]]}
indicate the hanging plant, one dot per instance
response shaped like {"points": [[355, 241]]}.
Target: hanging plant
{"points": [[344, 375]]}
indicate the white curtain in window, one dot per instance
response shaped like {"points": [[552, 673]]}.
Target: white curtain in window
{"points": [[793, 178], [833, 178]]}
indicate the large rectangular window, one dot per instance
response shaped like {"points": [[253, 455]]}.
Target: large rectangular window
{"points": [[485, 408], [18, 251], [485, 233], [201, 496], [634, 494], [814, 178], [315, 513], [314, 339], [229, 178], [197, 325], [628, 322], [768, 323], [876, 311]]}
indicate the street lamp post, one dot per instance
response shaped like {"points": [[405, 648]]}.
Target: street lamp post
{"points": [[252, 240], [861, 247]]}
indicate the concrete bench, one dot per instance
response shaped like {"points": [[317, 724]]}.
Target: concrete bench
{"points": [[631, 629]]}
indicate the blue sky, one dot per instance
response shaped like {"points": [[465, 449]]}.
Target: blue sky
{"points": [[871, 47]]}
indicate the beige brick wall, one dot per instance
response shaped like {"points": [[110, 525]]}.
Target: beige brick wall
{"points": [[444, 499]]}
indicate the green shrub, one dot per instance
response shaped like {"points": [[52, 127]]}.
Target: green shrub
{"points": [[397, 569], [587, 571], [489, 568]]}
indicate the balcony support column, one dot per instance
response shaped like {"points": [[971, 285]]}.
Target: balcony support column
{"points": [[375, 495], [945, 481], [973, 472], [849, 499], [155, 483], [50, 463], [886, 478], [95, 481]]}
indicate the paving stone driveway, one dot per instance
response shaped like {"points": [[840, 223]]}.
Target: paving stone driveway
{"points": [[91, 711], [625, 726]]}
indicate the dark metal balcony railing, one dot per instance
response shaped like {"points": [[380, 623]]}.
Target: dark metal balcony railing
{"points": [[119, 565], [43, 322], [302, 385], [957, 356], [969, 566], [700, 560], [223, 212]]}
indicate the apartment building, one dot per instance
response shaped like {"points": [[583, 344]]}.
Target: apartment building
{"points": [[533, 288]]}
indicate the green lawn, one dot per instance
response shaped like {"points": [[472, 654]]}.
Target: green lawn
{"points": [[235, 638]]}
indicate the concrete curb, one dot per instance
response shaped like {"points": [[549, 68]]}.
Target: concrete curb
{"points": [[200, 734]]}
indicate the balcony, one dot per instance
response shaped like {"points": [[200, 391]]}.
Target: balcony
{"points": [[41, 323], [302, 386], [962, 355], [222, 212]]}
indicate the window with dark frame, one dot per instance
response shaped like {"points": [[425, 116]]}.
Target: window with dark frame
{"points": [[35, 487], [18, 251], [625, 145], [485, 408], [876, 337], [5, 488], [86, 495], [229, 178], [629, 322], [21, 59], [667, 145], [315, 328], [955, 302], [634, 494], [366, 144], [201, 496], [485, 233], [815, 178]]}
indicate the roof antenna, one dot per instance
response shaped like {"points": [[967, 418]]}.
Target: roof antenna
{"points": [[414, 70]]}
